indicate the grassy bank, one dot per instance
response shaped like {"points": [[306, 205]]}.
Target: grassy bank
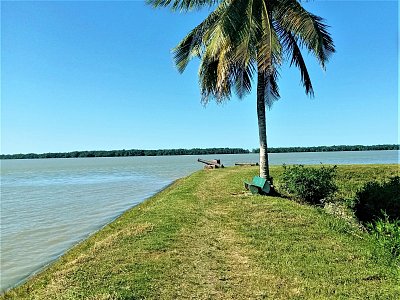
{"points": [[205, 238]]}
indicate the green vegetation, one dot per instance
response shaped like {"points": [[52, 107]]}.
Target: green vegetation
{"points": [[377, 205], [387, 234], [195, 151], [331, 148], [310, 184], [132, 152], [378, 199], [204, 237]]}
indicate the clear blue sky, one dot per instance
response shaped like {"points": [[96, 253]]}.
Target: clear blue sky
{"points": [[89, 75]]}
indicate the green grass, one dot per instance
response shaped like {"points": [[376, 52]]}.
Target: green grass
{"points": [[204, 237]]}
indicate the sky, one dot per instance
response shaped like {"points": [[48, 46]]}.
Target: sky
{"points": [[88, 75]]}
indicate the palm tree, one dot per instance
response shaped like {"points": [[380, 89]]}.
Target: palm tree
{"points": [[241, 38]]}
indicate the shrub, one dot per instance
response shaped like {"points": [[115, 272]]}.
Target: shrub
{"points": [[311, 184], [376, 199], [387, 234]]}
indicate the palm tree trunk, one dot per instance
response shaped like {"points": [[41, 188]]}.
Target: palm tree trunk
{"points": [[262, 126]]}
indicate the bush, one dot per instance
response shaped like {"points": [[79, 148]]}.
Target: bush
{"points": [[376, 199], [311, 184], [387, 234]]}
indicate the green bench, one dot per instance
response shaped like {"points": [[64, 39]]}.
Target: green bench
{"points": [[258, 186]]}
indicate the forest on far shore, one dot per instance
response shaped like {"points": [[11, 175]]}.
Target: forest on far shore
{"points": [[195, 151]]}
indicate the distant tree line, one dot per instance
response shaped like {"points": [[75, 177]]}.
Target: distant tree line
{"points": [[331, 148], [194, 151], [132, 152]]}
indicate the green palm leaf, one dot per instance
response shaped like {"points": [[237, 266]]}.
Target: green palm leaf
{"points": [[308, 28], [296, 58], [182, 5]]}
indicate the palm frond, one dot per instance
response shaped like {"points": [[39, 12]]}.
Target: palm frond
{"points": [[212, 86], [182, 5], [271, 93], [192, 45], [264, 53], [242, 31], [207, 79], [269, 53], [309, 29], [267, 87], [296, 58], [243, 37], [229, 43], [242, 77], [223, 85]]}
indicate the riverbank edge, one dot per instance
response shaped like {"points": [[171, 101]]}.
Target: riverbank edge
{"points": [[48, 264]]}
